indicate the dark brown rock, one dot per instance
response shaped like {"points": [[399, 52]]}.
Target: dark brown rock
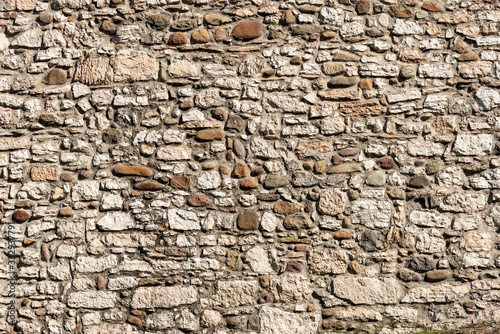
{"points": [[66, 177], [158, 21], [108, 27], [56, 76], [342, 235], [21, 216], [468, 56], [200, 36], [408, 276], [66, 212], [437, 275], [354, 267], [180, 182], [219, 114], [198, 201], [177, 38], [240, 170], [431, 7], [232, 321], [349, 152], [208, 135], [248, 30], [386, 163], [248, 220], [286, 208], [333, 325], [184, 25], [293, 266], [265, 298], [45, 18], [400, 12], [420, 263], [363, 7], [297, 222], [123, 170], [149, 186], [264, 281], [249, 184], [134, 320]]}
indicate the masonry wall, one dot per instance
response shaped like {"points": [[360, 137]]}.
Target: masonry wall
{"points": [[249, 166]]}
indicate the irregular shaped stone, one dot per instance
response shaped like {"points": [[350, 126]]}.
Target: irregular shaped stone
{"points": [[332, 202], [286, 208], [275, 321], [55, 77], [276, 181], [208, 135], [258, 260], [92, 299], [181, 182], [429, 219], [297, 222], [248, 220], [444, 293], [152, 186], [123, 170], [134, 65], [473, 144], [327, 261], [183, 220], [248, 30], [234, 293], [371, 213], [163, 297], [368, 291]]}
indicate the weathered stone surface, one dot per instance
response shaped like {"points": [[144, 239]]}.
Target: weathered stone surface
{"points": [[248, 30], [258, 260], [55, 77], [444, 293], [469, 144], [365, 290], [92, 299], [332, 202], [183, 220], [248, 220], [133, 65], [123, 170], [429, 219], [328, 261], [234, 293], [115, 221], [371, 213], [163, 297], [274, 321]]}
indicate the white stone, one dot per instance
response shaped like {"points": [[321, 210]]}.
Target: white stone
{"points": [[371, 213], [268, 222], [116, 221], [183, 220], [88, 264], [331, 16], [234, 293], [87, 190], [92, 299], [366, 290], [258, 260], [31, 38], [401, 27], [430, 244], [275, 321], [163, 297], [443, 293], [210, 180], [451, 177], [429, 219], [473, 144], [438, 71]]}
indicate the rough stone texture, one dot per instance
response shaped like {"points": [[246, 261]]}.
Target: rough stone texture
{"points": [[249, 167]]}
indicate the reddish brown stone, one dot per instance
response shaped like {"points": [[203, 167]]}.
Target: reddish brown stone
{"points": [[386, 163], [134, 320], [20, 216], [198, 201], [220, 34], [363, 7], [241, 170], [437, 275], [265, 298], [333, 325], [180, 182], [132, 170], [101, 282], [66, 212], [177, 38], [366, 84], [349, 152], [219, 114], [342, 235], [248, 220], [232, 321], [293, 266], [148, 186], [286, 208], [264, 281], [44, 173], [66, 177], [400, 12], [249, 184], [336, 159], [207, 135], [55, 77], [248, 30], [45, 252], [431, 7], [108, 27], [45, 18]]}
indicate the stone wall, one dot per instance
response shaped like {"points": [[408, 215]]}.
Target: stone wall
{"points": [[256, 166]]}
